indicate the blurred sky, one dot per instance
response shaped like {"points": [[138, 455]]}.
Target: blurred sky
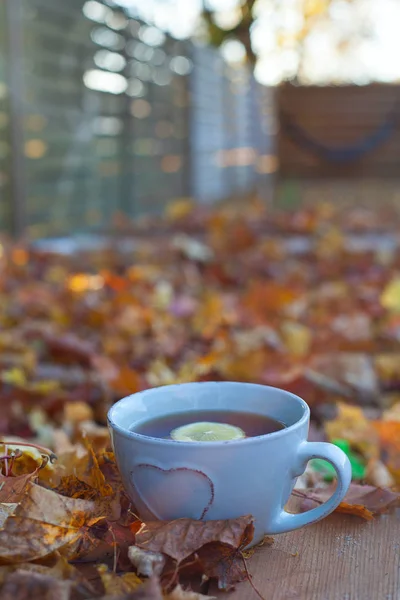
{"points": [[357, 41]]}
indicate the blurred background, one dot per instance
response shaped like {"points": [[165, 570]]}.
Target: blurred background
{"points": [[116, 107], [201, 190]]}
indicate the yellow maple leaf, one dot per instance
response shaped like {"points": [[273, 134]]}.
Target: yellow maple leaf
{"points": [[352, 425], [392, 413], [118, 584], [179, 209], [390, 297], [14, 377], [28, 459], [297, 338]]}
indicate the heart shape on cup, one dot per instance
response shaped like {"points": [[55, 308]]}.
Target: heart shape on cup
{"points": [[173, 493]]}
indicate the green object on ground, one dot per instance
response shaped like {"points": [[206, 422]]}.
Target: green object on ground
{"points": [[357, 465]]}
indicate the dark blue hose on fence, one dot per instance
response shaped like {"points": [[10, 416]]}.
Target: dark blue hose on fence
{"points": [[339, 154]]}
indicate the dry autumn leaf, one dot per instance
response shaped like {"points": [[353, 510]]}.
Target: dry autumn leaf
{"points": [[392, 413], [225, 564], [390, 297], [12, 489], [212, 548], [150, 590], [352, 425], [181, 538], [348, 374], [42, 523], [264, 299], [378, 474], [83, 465], [146, 563], [23, 539], [53, 568], [69, 348], [387, 368], [179, 209], [389, 438], [117, 585], [296, 337], [25, 458], [363, 501], [24, 585], [6, 510], [180, 594], [121, 378]]}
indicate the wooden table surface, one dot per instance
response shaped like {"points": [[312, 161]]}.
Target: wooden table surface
{"points": [[339, 558]]}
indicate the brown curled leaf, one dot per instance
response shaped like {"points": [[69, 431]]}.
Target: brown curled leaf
{"points": [[183, 537], [363, 501], [12, 489]]}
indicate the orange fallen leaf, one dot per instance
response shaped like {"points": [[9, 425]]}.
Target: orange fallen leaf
{"points": [[77, 412], [115, 282], [126, 382], [389, 433], [389, 437], [358, 510], [210, 315], [266, 298], [82, 463], [230, 234]]}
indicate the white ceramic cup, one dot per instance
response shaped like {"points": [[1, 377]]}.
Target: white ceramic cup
{"points": [[167, 479]]}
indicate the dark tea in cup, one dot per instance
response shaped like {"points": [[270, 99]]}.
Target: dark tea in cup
{"points": [[205, 425]]}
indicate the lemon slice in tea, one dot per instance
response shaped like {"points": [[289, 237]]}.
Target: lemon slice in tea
{"points": [[207, 432]]}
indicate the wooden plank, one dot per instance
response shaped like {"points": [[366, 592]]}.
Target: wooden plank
{"points": [[340, 558]]}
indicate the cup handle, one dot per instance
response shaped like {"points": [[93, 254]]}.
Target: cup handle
{"points": [[308, 450]]}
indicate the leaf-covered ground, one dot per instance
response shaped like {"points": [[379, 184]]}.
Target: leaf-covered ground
{"points": [[308, 301]]}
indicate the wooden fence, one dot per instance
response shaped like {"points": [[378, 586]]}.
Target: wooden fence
{"points": [[339, 132]]}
